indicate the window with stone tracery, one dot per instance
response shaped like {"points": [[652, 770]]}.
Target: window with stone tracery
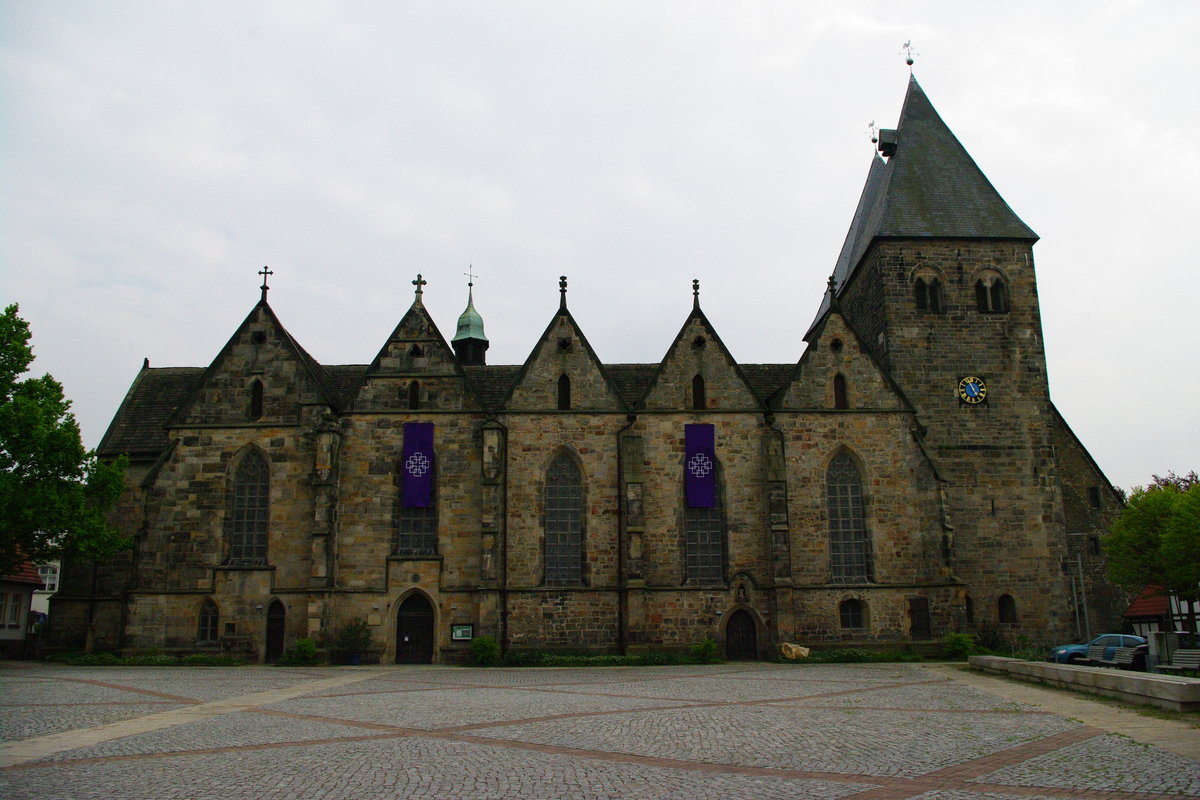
{"points": [[704, 540], [415, 530], [849, 545], [563, 548], [250, 511]]}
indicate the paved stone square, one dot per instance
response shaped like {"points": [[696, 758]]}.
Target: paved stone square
{"points": [[871, 732]]}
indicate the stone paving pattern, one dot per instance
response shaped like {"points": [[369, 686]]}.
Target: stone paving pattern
{"points": [[887, 732]]}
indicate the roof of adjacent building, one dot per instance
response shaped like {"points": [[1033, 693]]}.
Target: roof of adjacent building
{"points": [[1151, 602], [26, 573]]}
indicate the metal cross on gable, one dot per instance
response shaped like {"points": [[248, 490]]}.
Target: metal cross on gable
{"points": [[265, 271]]}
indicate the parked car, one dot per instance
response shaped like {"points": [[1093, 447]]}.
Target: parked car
{"points": [[1077, 653]]}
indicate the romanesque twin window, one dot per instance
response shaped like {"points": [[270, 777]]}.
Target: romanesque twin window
{"points": [[928, 295], [564, 523], [250, 511], [991, 293], [849, 545]]}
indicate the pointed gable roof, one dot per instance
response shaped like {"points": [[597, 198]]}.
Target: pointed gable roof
{"points": [[415, 327], [929, 187], [527, 392], [321, 382], [672, 369]]}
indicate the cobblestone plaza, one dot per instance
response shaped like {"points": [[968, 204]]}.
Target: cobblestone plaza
{"points": [[747, 730]]}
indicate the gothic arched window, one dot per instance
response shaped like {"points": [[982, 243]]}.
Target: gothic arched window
{"points": [[563, 551], [699, 400], [840, 398], [250, 512], [564, 393], [256, 399], [852, 613], [704, 539], [849, 546], [206, 631], [416, 528]]}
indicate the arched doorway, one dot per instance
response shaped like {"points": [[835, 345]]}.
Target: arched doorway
{"points": [[414, 631], [276, 616], [741, 637]]}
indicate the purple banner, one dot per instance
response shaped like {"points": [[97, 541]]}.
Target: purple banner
{"points": [[418, 465], [700, 466]]}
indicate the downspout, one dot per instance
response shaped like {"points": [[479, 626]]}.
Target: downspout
{"points": [[622, 600]]}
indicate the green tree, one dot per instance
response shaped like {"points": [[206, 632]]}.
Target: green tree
{"points": [[1156, 540], [53, 493]]}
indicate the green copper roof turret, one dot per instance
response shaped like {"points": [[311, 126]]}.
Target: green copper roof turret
{"points": [[470, 324]]}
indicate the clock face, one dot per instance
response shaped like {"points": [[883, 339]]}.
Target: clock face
{"points": [[972, 390]]}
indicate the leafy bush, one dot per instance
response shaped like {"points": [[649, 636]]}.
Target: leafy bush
{"points": [[958, 646], [485, 651], [706, 652], [302, 655], [353, 638]]}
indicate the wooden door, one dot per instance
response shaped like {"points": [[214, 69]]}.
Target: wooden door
{"points": [[414, 631], [741, 637], [276, 617], [918, 616]]}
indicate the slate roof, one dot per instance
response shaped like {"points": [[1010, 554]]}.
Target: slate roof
{"points": [[767, 379], [929, 188], [140, 426], [491, 383], [631, 380]]}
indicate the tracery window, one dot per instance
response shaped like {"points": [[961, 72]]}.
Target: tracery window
{"points": [[251, 501], [206, 631], [563, 550], [849, 545], [704, 541], [415, 531]]}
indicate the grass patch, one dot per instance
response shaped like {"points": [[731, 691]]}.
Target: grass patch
{"points": [[146, 660]]}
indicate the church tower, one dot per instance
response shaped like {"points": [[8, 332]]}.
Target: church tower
{"points": [[937, 275]]}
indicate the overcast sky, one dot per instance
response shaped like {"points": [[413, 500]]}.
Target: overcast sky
{"points": [[157, 155]]}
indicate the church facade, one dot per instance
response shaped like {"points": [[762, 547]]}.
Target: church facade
{"points": [[906, 477]]}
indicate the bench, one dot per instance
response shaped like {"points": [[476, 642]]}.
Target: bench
{"points": [[1182, 660], [1122, 657]]}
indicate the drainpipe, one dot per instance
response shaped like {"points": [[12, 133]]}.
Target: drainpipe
{"points": [[630, 421]]}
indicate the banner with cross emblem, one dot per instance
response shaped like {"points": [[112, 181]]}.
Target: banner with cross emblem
{"points": [[700, 466], [418, 464]]}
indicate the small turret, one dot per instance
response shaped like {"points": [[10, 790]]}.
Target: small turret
{"points": [[469, 342]]}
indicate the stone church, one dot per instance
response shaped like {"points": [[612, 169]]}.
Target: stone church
{"points": [[907, 476]]}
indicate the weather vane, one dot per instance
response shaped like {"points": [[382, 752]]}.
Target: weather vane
{"points": [[909, 52], [871, 129], [470, 273]]}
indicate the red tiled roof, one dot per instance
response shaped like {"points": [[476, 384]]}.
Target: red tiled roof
{"points": [[1152, 602], [26, 574]]}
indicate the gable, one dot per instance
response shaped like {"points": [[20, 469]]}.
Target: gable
{"points": [[563, 350], [414, 369], [835, 349], [698, 351], [260, 352]]}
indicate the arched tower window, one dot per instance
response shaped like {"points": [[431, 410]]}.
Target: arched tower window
{"points": [[206, 631], [699, 400], [840, 398], [256, 399], [564, 393], [416, 528], [251, 503], [852, 613], [927, 294], [1006, 610], [991, 293], [849, 546], [414, 395], [563, 551]]}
